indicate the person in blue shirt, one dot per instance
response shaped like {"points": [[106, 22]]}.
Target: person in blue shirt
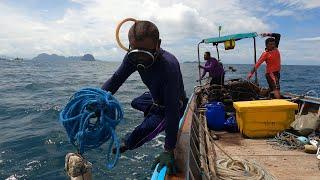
{"points": [[164, 104]]}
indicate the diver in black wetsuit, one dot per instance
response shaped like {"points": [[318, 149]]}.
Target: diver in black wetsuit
{"points": [[164, 105]]}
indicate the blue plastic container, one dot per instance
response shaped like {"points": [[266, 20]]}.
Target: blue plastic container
{"points": [[215, 116]]}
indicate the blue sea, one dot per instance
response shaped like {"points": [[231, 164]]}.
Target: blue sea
{"points": [[32, 93]]}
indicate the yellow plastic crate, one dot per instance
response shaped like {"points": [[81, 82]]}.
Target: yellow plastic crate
{"points": [[264, 118]]}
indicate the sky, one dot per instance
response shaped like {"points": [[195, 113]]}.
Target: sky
{"points": [[76, 27]]}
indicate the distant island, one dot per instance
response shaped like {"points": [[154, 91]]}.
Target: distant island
{"points": [[87, 57], [52, 57]]}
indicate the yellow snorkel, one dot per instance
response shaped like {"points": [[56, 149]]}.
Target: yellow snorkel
{"points": [[118, 29]]}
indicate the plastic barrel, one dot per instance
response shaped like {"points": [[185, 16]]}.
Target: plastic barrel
{"points": [[215, 116]]}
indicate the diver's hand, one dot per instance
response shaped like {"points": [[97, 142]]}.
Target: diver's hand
{"points": [[123, 148], [166, 158], [265, 34]]}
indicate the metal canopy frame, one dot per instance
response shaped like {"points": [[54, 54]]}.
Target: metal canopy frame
{"points": [[217, 40]]}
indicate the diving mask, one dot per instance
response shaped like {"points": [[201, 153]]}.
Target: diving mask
{"points": [[142, 59]]}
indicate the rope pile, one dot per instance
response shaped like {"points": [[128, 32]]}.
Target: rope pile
{"points": [[241, 169], [90, 119], [235, 169], [286, 141]]}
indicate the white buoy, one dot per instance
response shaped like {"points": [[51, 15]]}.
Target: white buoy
{"points": [[318, 153], [77, 168]]}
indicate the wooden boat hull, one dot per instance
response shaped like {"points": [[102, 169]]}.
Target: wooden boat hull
{"points": [[191, 158]]}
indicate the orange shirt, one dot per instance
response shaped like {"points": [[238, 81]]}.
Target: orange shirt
{"points": [[272, 59]]}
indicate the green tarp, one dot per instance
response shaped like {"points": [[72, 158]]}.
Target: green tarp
{"points": [[230, 37]]}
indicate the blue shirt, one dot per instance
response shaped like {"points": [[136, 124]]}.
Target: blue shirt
{"points": [[164, 80]]}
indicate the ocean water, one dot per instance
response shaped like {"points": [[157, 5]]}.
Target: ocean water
{"points": [[32, 142]]}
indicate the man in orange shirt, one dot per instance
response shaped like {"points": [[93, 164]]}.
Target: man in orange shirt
{"points": [[273, 60]]}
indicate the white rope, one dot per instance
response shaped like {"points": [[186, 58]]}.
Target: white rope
{"points": [[236, 169], [241, 169]]}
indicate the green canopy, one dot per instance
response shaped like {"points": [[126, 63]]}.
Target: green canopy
{"points": [[230, 37]]}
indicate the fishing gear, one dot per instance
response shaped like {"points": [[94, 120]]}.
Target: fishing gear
{"points": [[90, 119]]}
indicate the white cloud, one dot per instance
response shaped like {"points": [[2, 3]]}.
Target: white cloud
{"points": [[91, 27], [294, 8], [299, 51], [301, 4], [280, 12], [182, 24], [310, 39]]}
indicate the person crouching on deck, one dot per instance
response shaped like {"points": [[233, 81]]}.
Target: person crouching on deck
{"points": [[164, 104], [273, 60], [215, 69]]}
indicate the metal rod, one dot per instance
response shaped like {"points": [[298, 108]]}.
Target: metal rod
{"points": [[255, 60], [218, 51], [199, 62]]}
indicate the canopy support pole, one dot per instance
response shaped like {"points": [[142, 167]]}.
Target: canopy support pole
{"points": [[217, 51], [199, 62], [255, 60]]}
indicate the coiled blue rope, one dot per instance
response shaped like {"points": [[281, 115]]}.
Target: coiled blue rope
{"points": [[90, 119]]}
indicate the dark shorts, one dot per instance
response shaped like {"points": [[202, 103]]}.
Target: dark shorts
{"points": [[153, 124], [273, 80], [217, 80]]}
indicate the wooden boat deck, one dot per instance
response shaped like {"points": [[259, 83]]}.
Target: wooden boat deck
{"points": [[283, 164]]}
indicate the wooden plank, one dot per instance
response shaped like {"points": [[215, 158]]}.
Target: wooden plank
{"points": [[183, 146], [194, 168], [203, 154], [211, 153], [283, 164]]}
